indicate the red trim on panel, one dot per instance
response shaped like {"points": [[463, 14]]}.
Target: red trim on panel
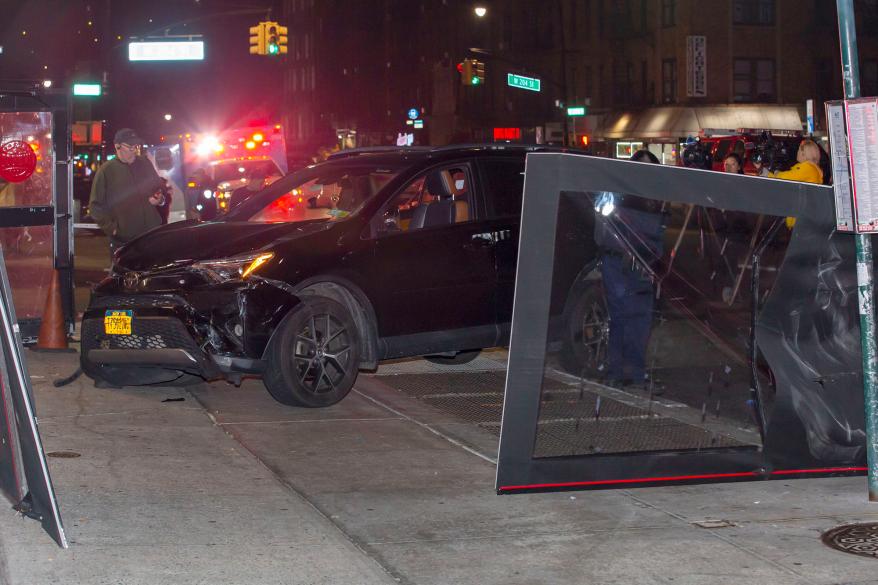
{"points": [[631, 480], [681, 478], [818, 470]]}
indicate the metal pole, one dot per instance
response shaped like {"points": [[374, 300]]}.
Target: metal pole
{"points": [[850, 67]]}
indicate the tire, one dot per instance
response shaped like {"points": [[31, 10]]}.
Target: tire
{"points": [[586, 333], [462, 357], [303, 368]]}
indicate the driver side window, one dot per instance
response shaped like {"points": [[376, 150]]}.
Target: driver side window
{"points": [[438, 198]]}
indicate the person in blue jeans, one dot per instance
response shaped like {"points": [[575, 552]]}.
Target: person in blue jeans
{"points": [[631, 244]]}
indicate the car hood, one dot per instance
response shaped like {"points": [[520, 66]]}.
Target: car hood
{"points": [[185, 242]]}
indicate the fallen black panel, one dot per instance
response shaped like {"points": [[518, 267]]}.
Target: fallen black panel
{"points": [[39, 501], [684, 263]]}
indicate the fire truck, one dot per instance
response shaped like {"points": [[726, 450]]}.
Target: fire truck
{"points": [[209, 167]]}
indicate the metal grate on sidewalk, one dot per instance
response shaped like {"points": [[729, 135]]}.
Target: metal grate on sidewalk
{"points": [[575, 419]]}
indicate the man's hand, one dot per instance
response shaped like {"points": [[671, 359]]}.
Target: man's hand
{"points": [[156, 199]]}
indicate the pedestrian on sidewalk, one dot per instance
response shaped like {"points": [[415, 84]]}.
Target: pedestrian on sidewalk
{"points": [[126, 192]]}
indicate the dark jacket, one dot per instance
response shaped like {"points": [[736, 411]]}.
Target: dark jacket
{"points": [[120, 198]]}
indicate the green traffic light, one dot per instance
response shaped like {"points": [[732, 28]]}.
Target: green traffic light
{"points": [[476, 81], [273, 49]]}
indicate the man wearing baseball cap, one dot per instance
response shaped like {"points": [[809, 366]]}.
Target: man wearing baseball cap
{"points": [[126, 192]]}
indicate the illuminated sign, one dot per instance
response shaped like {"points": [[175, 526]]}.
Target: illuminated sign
{"points": [[576, 111], [90, 89], [166, 51], [522, 82], [507, 133]]}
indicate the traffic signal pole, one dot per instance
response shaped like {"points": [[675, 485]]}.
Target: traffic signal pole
{"points": [[850, 67]]}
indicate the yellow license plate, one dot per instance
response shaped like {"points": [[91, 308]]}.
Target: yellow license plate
{"points": [[118, 322]]}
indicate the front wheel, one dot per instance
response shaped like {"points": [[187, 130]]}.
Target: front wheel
{"points": [[586, 334], [314, 356]]}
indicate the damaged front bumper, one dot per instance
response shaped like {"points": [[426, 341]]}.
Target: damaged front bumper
{"points": [[201, 330]]}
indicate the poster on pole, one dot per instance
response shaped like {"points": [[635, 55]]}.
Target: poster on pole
{"points": [[862, 126], [841, 170]]}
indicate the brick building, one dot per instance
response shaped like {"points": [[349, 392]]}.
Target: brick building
{"points": [[649, 71]]}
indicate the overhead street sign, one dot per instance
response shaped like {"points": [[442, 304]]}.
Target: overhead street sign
{"points": [[576, 111], [522, 82], [166, 51], [89, 89]]}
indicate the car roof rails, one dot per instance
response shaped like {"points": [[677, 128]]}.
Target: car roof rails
{"points": [[348, 152], [488, 146]]}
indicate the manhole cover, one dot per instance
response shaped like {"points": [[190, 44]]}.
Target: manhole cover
{"points": [[63, 454], [857, 539]]}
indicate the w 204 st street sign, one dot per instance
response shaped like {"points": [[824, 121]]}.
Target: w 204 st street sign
{"points": [[522, 82]]}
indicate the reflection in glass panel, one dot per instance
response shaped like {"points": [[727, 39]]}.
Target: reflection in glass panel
{"points": [[28, 255], [652, 349], [34, 129]]}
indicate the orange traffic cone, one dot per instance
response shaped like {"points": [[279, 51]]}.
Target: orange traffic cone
{"points": [[52, 335]]}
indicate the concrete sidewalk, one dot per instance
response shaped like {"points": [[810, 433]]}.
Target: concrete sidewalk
{"points": [[228, 486]]}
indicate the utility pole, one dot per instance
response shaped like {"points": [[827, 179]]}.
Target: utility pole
{"points": [[850, 68]]}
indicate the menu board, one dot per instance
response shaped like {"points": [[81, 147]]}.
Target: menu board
{"points": [[862, 126], [841, 170]]}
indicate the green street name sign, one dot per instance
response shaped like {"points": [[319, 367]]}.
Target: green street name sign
{"points": [[576, 111], [522, 82]]}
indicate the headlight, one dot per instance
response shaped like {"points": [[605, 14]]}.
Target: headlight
{"points": [[235, 268]]}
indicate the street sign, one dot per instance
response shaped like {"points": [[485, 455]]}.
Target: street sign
{"points": [[696, 66], [166, 51], [862, 127], [419, 124], [841, 170], [413, 114], [89, 89], [522, 82], [576, 111]]}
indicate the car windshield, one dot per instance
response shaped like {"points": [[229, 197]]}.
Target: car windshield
{"points": [[237, 170], [329, 192]]}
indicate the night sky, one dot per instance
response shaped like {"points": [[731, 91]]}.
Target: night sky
{"points": [[52, 39]]}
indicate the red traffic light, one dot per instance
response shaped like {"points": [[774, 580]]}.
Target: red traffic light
{"points": [[460, 67]]}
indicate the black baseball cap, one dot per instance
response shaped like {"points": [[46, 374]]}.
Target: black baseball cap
{"points": [[127, 136]]}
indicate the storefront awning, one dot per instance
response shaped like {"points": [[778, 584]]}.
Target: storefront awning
{"points": [[677, 122]]}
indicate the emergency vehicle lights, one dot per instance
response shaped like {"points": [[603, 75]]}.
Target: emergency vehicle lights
{"points": [[250, 145], [258, 137]]}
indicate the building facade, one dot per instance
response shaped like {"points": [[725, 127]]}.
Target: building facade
{"points": [[644, 70]]}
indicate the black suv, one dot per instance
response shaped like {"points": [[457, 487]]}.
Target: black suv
{"points": [[372, 255]]}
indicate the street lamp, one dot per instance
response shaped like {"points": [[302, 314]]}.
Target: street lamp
{"points": [[47, 83], [169, 117], [480, 11]]}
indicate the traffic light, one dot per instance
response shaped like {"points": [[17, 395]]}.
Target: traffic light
{"points": [[257, 39], [272, 46], [282, 39], [478, 72], [465, 68]]}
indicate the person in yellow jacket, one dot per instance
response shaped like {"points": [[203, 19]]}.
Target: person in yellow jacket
{"points": [[806, 170]]}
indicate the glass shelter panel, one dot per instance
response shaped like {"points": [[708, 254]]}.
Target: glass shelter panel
{"points": [[677, 325], [25, 191], [650, 348]]}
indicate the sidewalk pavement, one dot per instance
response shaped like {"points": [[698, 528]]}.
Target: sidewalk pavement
{"points": [[227, 486]]}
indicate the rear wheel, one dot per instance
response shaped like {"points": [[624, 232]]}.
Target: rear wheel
{"points": [[461, 357], [314, 356], [586, 335]]}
